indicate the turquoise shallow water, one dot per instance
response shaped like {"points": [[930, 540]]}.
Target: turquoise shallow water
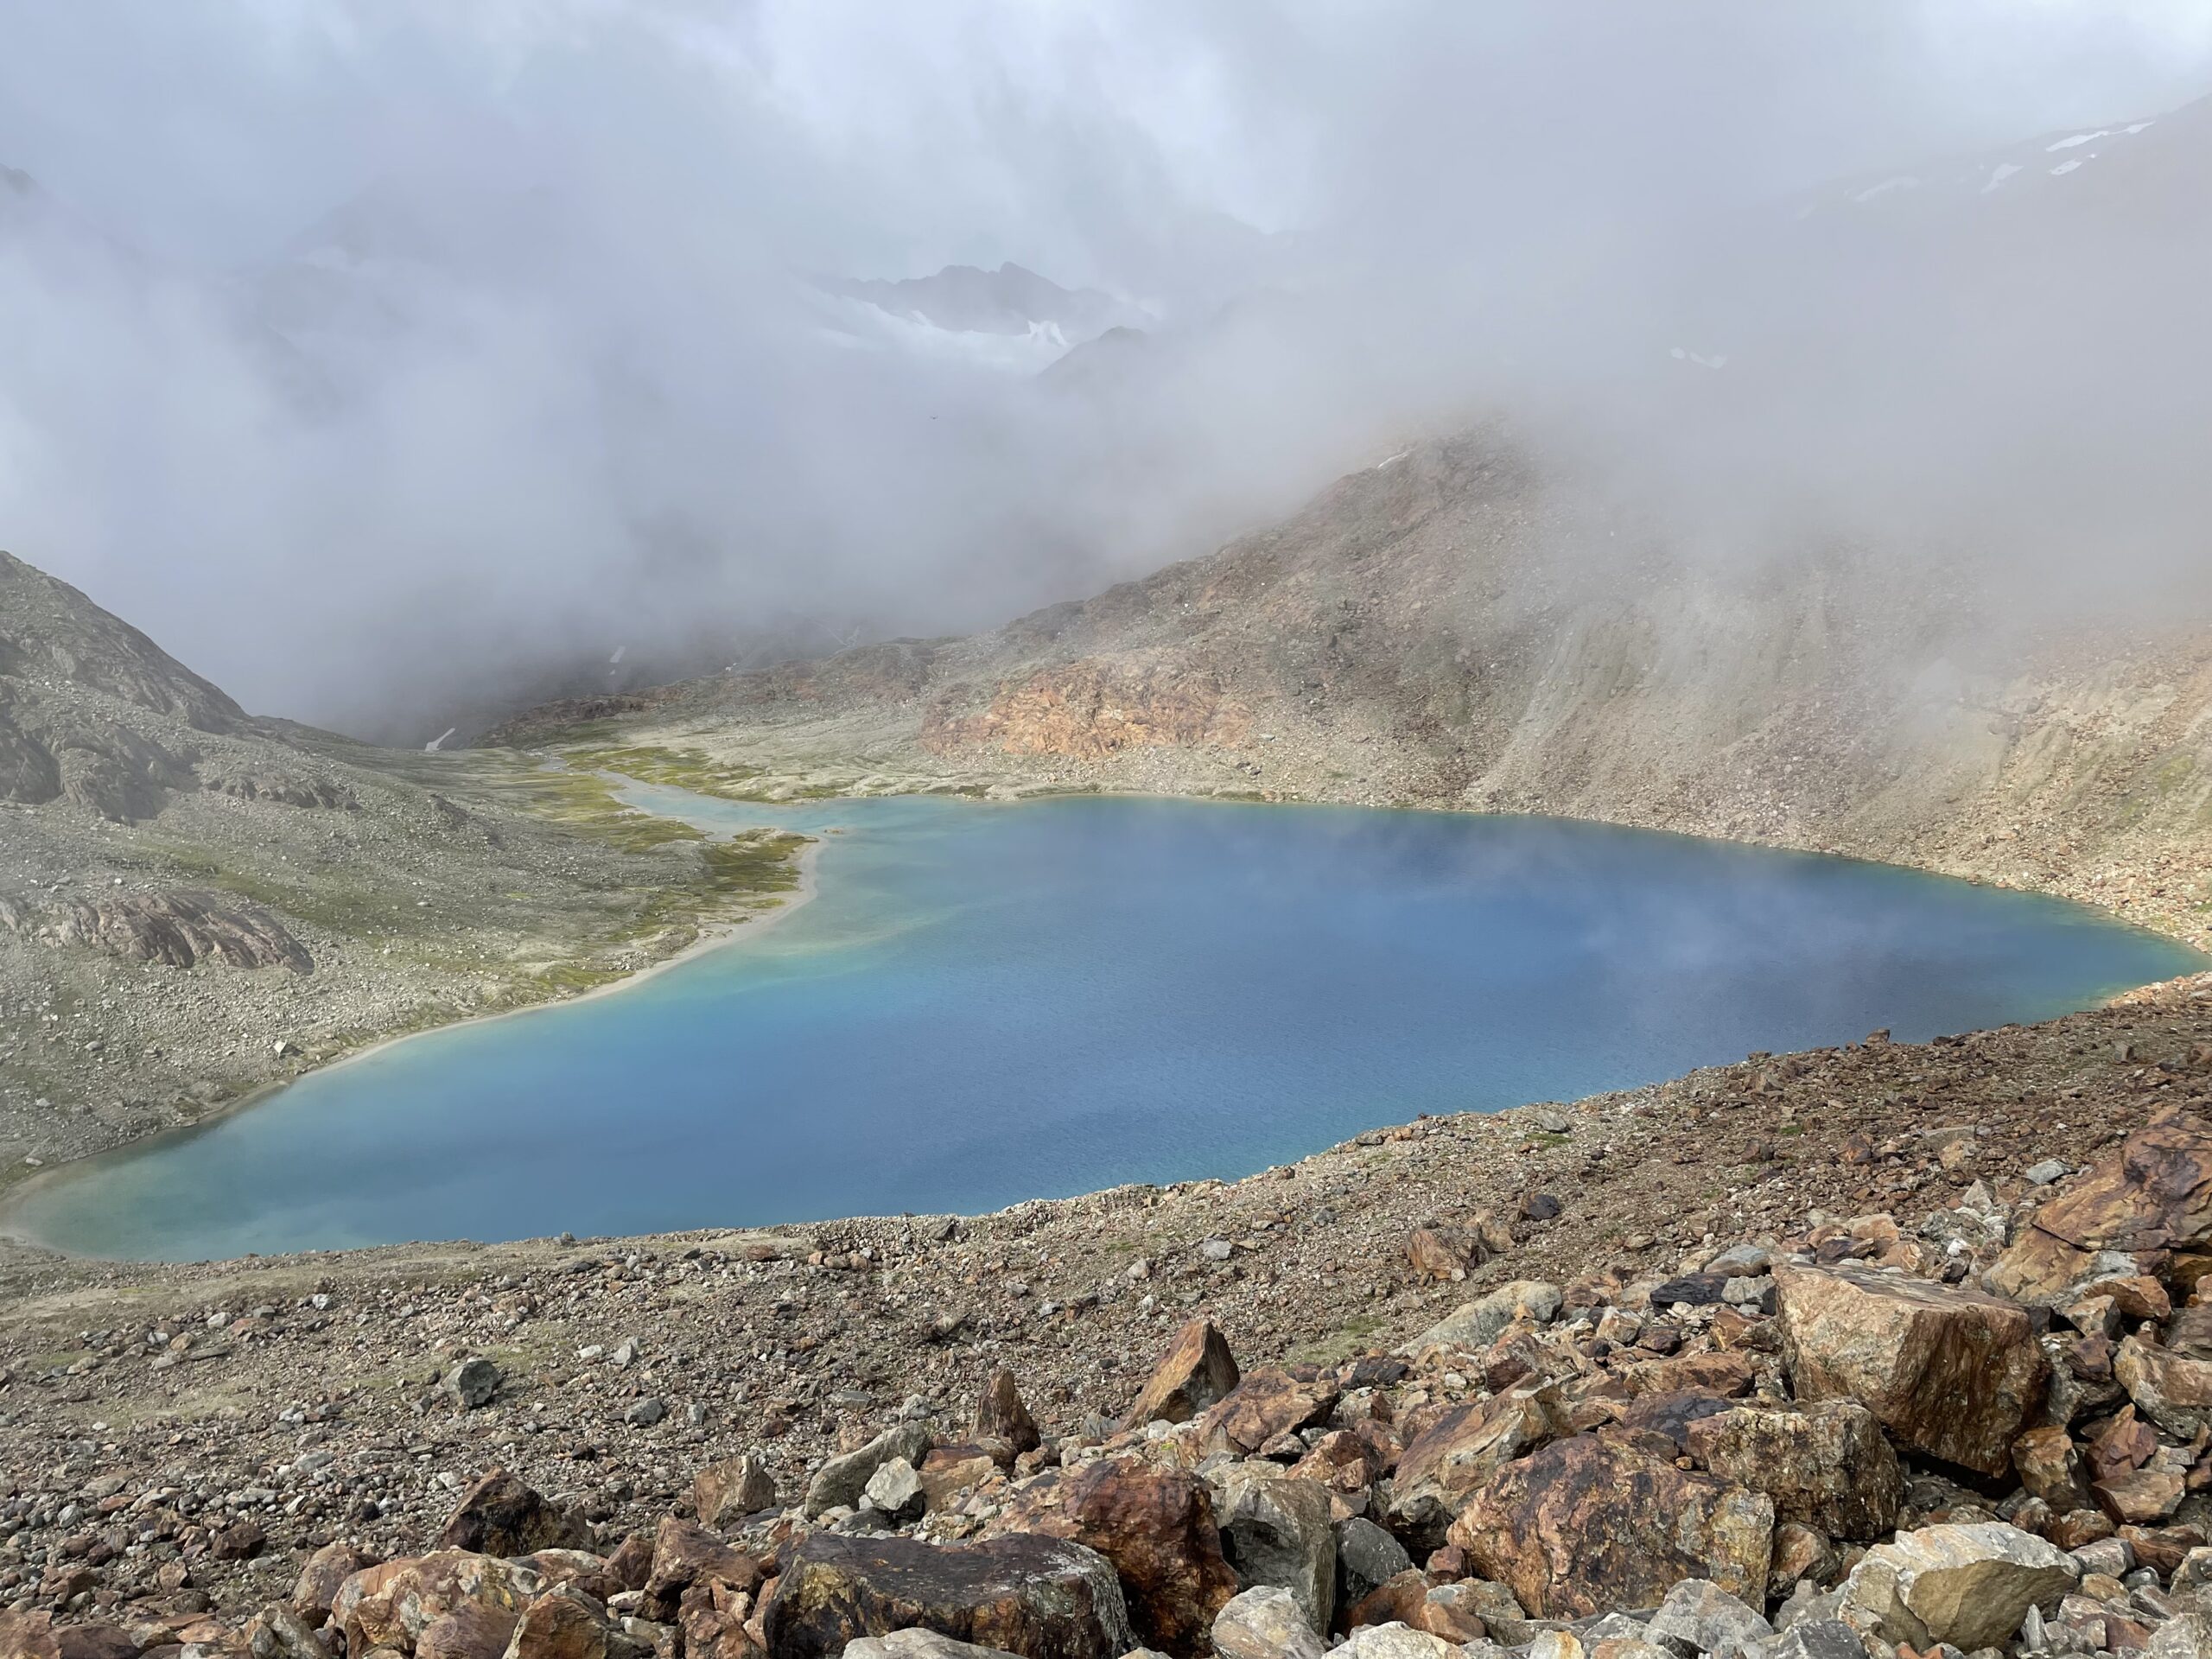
{"points": [[986, 1003]]}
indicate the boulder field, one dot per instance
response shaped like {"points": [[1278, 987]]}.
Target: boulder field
{"points": [[1983, 1435]]}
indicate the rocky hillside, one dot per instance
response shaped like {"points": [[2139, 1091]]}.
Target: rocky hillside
{"points": [[1877, 1353], [1452, 628], [194, 902]]}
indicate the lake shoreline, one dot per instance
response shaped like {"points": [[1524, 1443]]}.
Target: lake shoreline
{"points": [[1708, 872]]}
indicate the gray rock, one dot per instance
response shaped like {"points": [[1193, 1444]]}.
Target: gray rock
{"points": [[1967, 1584], [1549, 1122], [1476, 1325], [2185, 1636], [2043, 1174], [2113, 1557], [474, 1382], [1818, 1638], [1276, 1529], [1700, 1616], [1264, 1623], [841, 1481], [918, 1644], [1499, 1609], [2194, 1572], [1395, 1641], [1756, 1292], [646, 1411], [1368, 1556], [894, 1490]]}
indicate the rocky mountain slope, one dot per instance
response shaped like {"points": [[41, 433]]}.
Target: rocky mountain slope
{"points": [[1450, 627], [194, 902]]}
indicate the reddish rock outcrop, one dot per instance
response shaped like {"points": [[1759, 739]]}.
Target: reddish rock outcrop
{"points": [[1584, 1526], [1198, 1370], [1948, 1371]]}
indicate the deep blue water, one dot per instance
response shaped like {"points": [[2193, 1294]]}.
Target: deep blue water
{"points": [[986, 1003]]}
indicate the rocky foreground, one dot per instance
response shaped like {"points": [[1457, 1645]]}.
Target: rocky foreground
{"points": [[1883, 1350]]}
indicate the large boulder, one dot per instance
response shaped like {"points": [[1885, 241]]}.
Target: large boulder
{"points": [[1585, 1525], [684, 1555], [1276, 1529], [391, 1605], [1198, 1370], [1458, 1453], [840, 1483], [2173, 1392], [1023, 1593], [566, 1623], [1474, 1325], [500, 1516], [2155, 1196], [917, 1644], [1157, 1528], [1265, 1403], [1948, 1371], [1966, 1583], [1828, 1466], [1265, 1623]]}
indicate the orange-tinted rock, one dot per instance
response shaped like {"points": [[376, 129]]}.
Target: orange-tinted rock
{"points": [[564, 1624], [684, 1555], [2173, 1392], [28, 1635], [1444, 1465], [727, 1491], [317, 1587], [1265, 1403], [1443, 1253], [2050, 1468], [2156, 1195], [1948, 1371], [468, 1632], [1157, 1528], [1583, 1527], [1828, 1466], [1197, 1371], [2141, 1496], [391, 1605]]}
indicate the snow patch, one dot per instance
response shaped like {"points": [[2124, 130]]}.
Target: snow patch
{"points": [[1388, 460], [2078, 138], [1884, 187], [439, 742], [2064, 168], [1999, 173]]}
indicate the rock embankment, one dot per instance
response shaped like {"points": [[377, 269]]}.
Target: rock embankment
{"points": [[1987, 1430]]}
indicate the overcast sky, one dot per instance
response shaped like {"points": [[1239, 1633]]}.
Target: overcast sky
{"points": [[593, 413]]}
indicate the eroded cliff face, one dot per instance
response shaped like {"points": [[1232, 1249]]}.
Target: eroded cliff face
{"points": [[1456, 630]]}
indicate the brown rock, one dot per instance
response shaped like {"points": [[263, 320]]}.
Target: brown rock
{"points": [[1265, 1403], [1828, 1466], [1722, 1374], [2163, 1549], [2141, 1496], [1800, 1553], [1157, 1528], [1041, 1598], [1458, 1453], [2155, 1196], [684, 1555], [1000, 1414], [317, 1586], [725, 1492], [2124, 1443], [239, 1542], [27, 1635], [2050, 1468], [579, 1568], [2078, 1526], [1582, 1527], [565, 1623], [2172, 1392], [632, 1563], [1948, 1371], [499, 1515], [949, 1471], [391, 1605], [1197, 1371], [110, 1641], [1397, 1600], [469, 1631], [1444, 1253]]}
